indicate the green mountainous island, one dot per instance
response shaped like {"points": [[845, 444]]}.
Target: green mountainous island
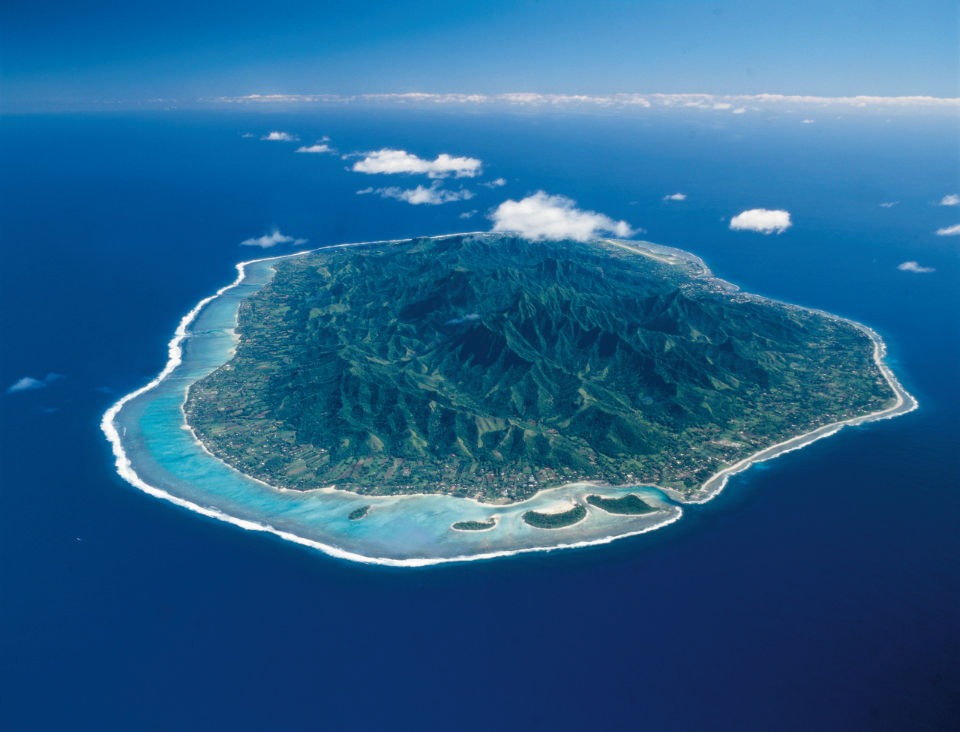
{"points": [[491, 366]]}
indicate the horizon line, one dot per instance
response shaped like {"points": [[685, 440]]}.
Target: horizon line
{"points": [[638, 99], [736, 104]]}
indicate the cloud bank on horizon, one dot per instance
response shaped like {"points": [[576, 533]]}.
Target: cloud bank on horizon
{"points": [[724, 103], [391, 162], [271, 240], [542, 216], [762, 220]]}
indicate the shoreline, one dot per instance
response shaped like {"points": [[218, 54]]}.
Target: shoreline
{"points": [[905, 403], [495, 521], [712, 487]]}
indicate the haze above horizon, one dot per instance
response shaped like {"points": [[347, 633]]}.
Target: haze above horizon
{"points": [[103, 54]]}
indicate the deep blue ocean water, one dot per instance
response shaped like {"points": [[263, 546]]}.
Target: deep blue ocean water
{"points": [[820, 591]]}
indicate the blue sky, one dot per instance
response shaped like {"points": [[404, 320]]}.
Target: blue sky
{"points": [[96, 53]]}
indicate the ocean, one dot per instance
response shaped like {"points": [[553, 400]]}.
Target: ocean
{"points": [[820, 590]]}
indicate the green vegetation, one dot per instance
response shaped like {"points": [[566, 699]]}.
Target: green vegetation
{"points": [[631, 504], [474, 525], [555, 520], [493, 367], [358, 513]]}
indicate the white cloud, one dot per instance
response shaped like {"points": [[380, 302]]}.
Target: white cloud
{"points": [[715, 101], [28, 383], [468, 318], [949, 230], [542, 216], [400, 161], [468, 214], [495, 183], [761, 220], [271, 240], [432, 196], [247, 135], [320, 147], [676, 197], [950, 200], [276, 136], [914, 267], [889, 204], [807, 121]]}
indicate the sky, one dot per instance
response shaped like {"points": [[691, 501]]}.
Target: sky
{"points": [[62, 55]]}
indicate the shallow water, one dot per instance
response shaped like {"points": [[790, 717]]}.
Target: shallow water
{"points": [[400, 530]]}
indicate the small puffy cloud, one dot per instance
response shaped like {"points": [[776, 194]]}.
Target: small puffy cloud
{"points": [[277, 136], [495, 183], [468, 214], [542, 216], [676, 197], [949, 230], [390, 162], [914, 267], [271, 240], [951, 200], [762, 220], [247, 135], [807, 121], [889, 204], [317, 148], [432, 196], [739, 110], [28, 383], [468, 318], [722, 105]]}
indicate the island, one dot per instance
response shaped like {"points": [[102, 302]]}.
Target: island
{"points": [[555, 520], [455, 396], [474, 525], [493, 367], [358, 513], [629, 505]]}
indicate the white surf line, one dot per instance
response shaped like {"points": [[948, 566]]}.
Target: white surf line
{"points": [[905, 402], [125, 469], [175, 352]]}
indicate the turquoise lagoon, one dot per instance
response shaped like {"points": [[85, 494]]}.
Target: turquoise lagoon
{"points": [[158, 453]]}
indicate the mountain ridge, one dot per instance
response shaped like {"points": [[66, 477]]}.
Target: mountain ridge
{"points": [[493, 366]]}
